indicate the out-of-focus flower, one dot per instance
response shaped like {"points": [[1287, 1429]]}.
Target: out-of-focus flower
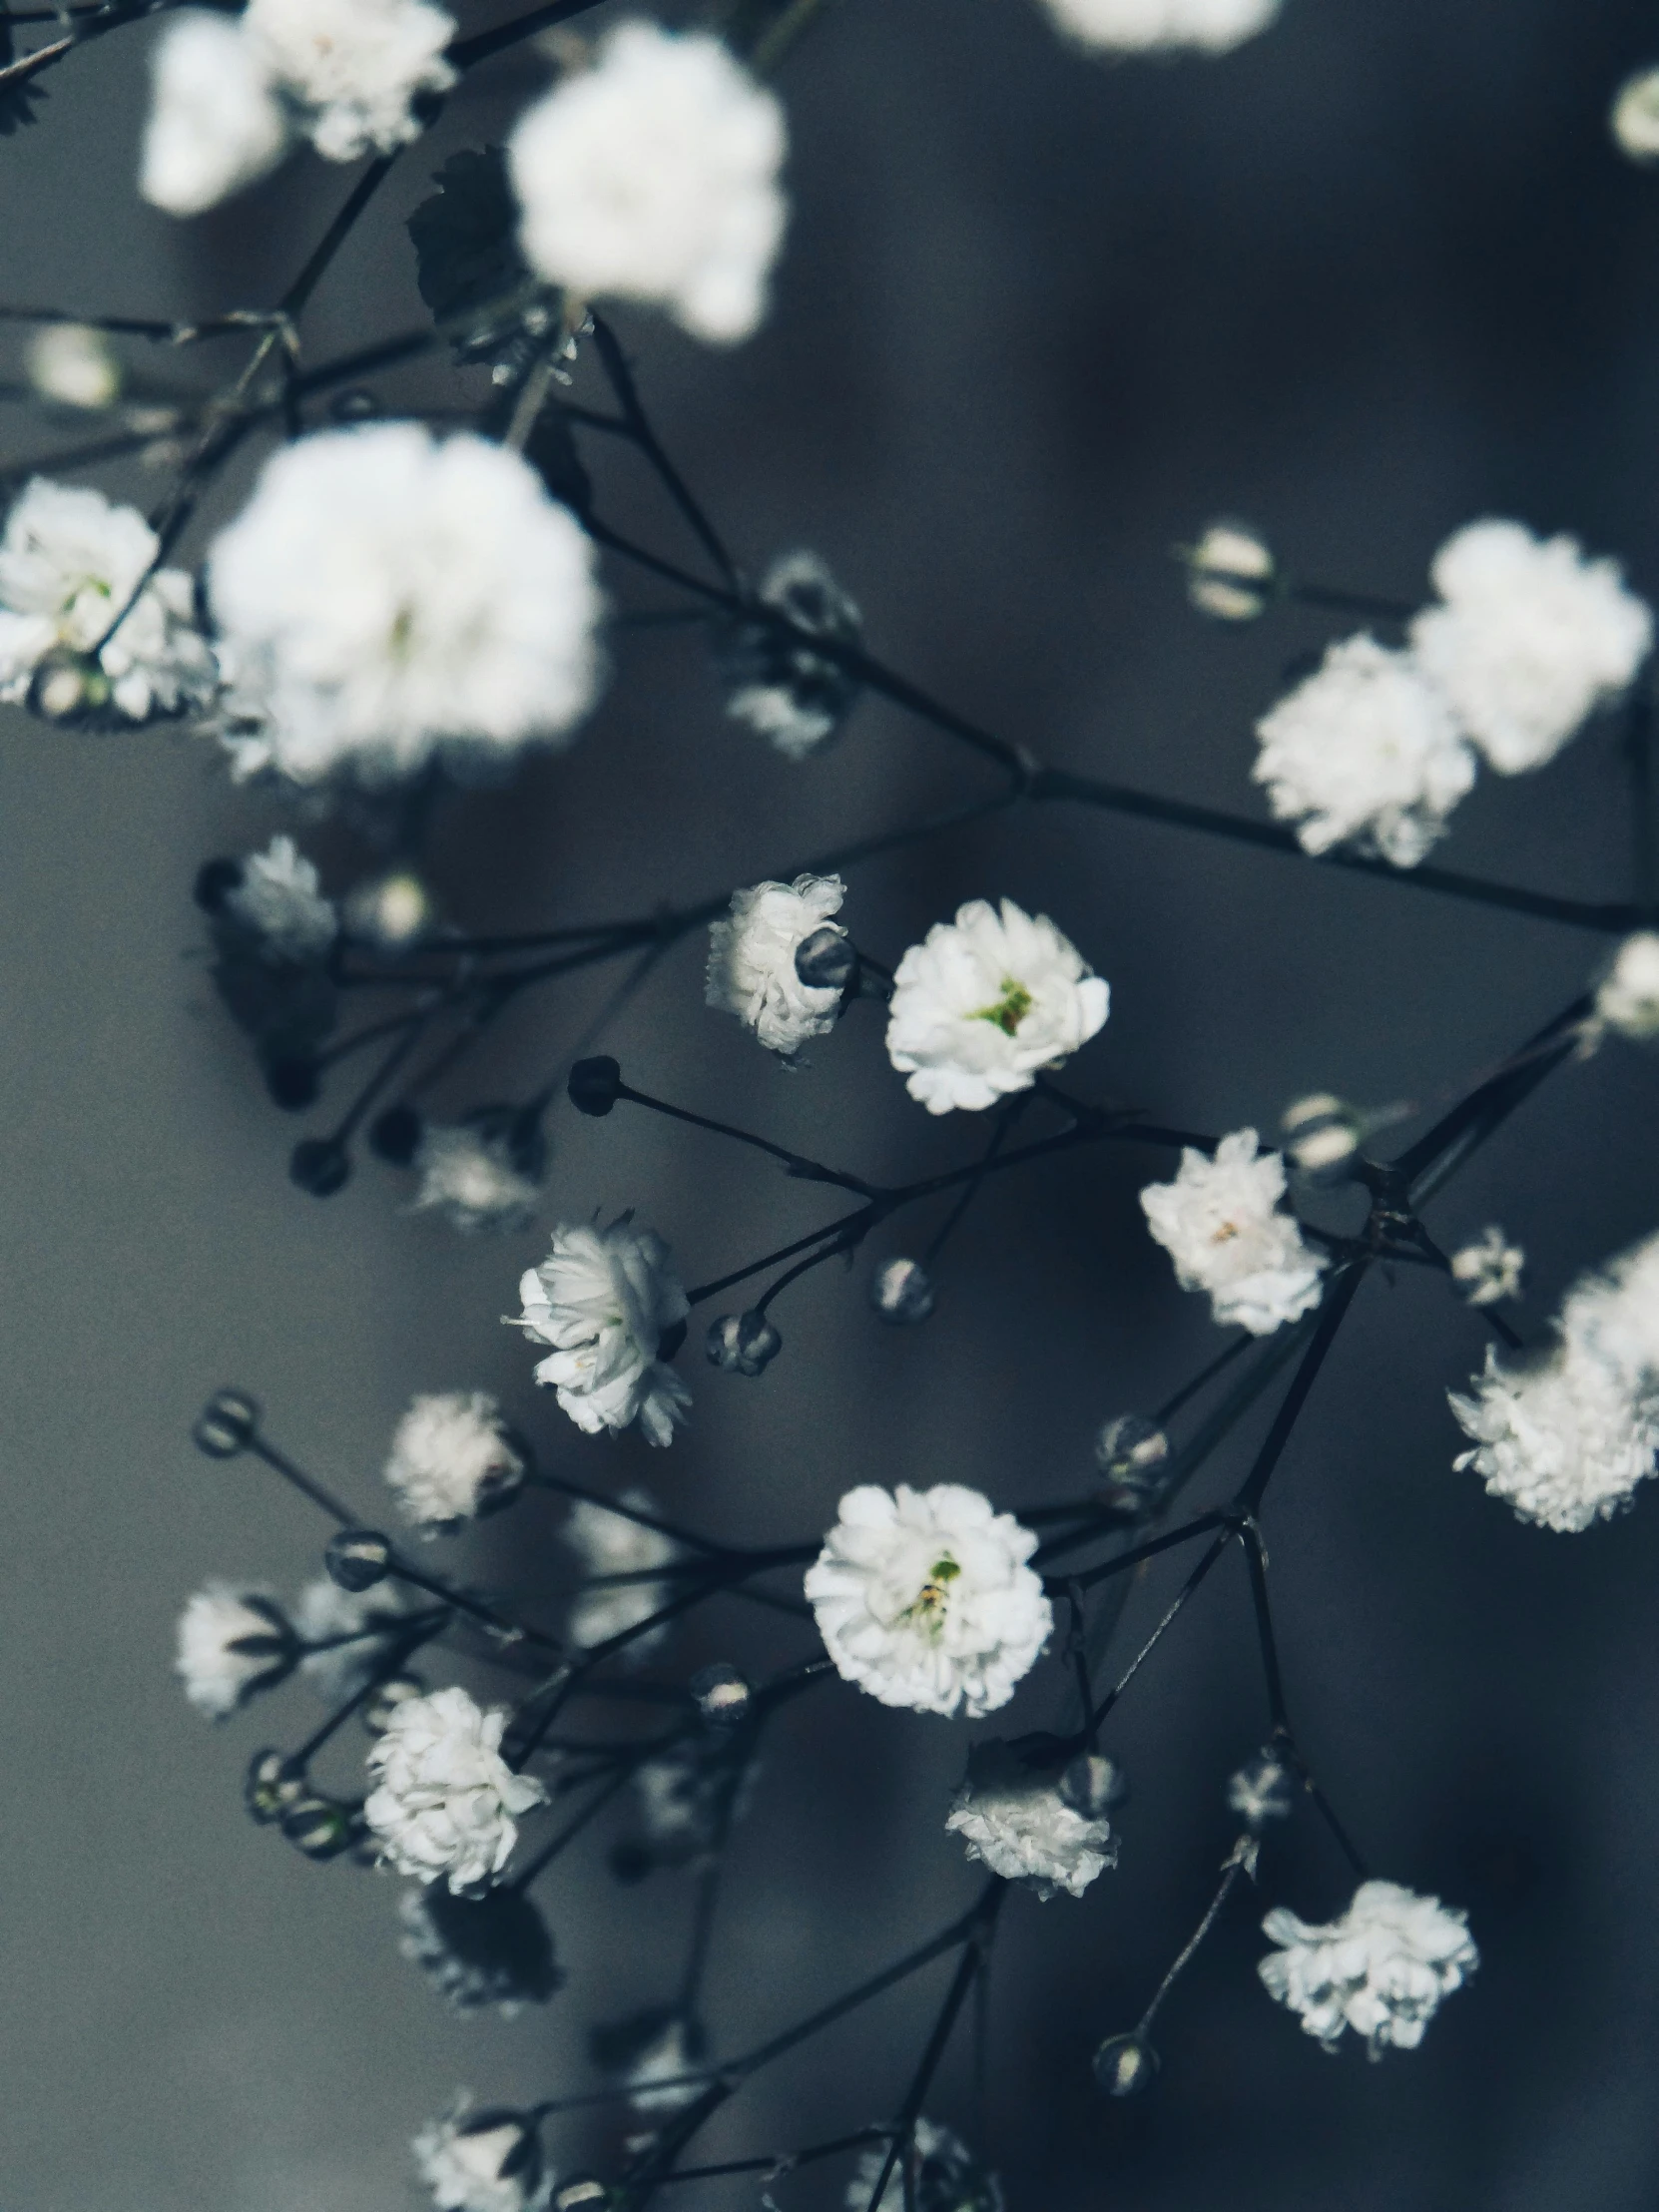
{"points": [[215, 121], [1364, 750], [986, 1002], [650, 2050], [372, 1620], [612, 1543], [452, 1458], [355, 69], [445, 1802], [1221, 1223], [1383, 1970], [1231, 573], [782, 688], [1490, 1269], [1260, 1790], [277, 900], [386, 597], [945, 2177], [485, 2161], [488, 1953], [925, 1600], [653, 176], [604, 1299], [1627, 999], [233, 1642], [1530, 639], [74, 365], [752, 972], [470, 1179], [1634, 120], [1016, 1815], [1163, 26]]}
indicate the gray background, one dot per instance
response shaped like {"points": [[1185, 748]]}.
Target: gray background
{"points": [[1375, 274]]}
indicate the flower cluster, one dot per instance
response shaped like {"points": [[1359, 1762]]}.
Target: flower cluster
{"points": [[1219, 1221], [1383, 1970]]}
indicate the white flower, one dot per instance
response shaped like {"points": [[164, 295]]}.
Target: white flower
{"points": [[354, 67], [987, 1001], [75, 366], [216, 123], [469, 1180], [1489, 1269], [232, 1643], [485, 1954], [1530, 639], [488, 2161], [1565, 1440], [1614, 1314], [279, 901], [611, 1543], [604, 1300], [1220, 1222], [446, 1800], [1634, 120], [452, 1460], [947, 2177], [781, 688], [371, 1619], [385, 597], [69, 563], [1015, 1816], [653, 176], [1381, 1969], [1156, 26], [1366, 750], [1627, 999], [752, 971], [924, 1598]]}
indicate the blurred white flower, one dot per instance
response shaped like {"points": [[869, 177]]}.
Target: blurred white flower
{"points": [[371, 1618], [653, 2077], [604, 1299], [611, 1543], [216, 123], [69, 561], [1231, 573], [1383, 1970], [986, 1004], [385, 597], [1627, 999], [452, 1460], [947, 2177], [1260, 1790], [485, 2161], [279, 901], [445, 1801], [353, 68], [469, 1180], [1530, 640], [233, 1642], [1220, 1222], [924, 1598], [781, 688], [1489, 1269], [752, 972], [1158, 26], [1634, 120], [75, 366], [479, 1953], [1365, 750], [1015, 1817], [653, 176]]}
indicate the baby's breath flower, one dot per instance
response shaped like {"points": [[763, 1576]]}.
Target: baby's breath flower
{"points": [[452, 1458], [988, 1002], [604, 1299], [1260, 1790], [1016, 1816], [945, 2177], [1634, 120], [1490, 1269], [1563, 1440], [924, 1598], [215, 121], [233, 1642], [1161, 26], [75, 366], [653, 176], [470, 1179], [752, 972], [612, 1543], [1220, 1222], [1383, 1970], [278, 901], [354, 69], [1231, 573], [484, 2161], [445, 1802], [1627, 999]]}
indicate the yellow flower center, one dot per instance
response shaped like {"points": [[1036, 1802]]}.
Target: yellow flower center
{"points": [[927, 1608]]}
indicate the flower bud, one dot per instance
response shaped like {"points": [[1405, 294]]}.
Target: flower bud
{"points": [[723, 1696], [1322, 1136], [319, 1165], [275, 1782], [1627, 997], [75, 366], [319, 1827], [827, 960], [386, 1697], [395, 1136], [295, 1083], [1634, 120], [227, 1424], [595, 1085], [743, 1343], [391, 914], [354, 405], [1231, 573], [68, 686], [901, 1291], [1131, 1451], [1124, 2065], [1092, 1784], [1263, 1790], [356, 1558], [582, 2193]]}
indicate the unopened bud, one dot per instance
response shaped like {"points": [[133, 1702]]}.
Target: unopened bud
{"points": [[1130, 1451], [827, 960], [356, 1558], [595, 1085], [1263, 1790], [76, 365], [319, 1165], [723, 1696], [386, 1697], [225, 1426], [319, 1827], [391, 913], [1124, 2065], [1231, 573], [68, 686], [1092, 1784], [273, 1784], [901, 1291], [1627, 999], [1322, 1136], [295, 1083], [582, 2193], [743, 1343], [1634, 120]]}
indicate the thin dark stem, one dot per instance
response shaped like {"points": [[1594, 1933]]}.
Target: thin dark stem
{"points": [[1235, 1865], [302, 1482], [1337, 1299], [967, 1972], [1182, 1595], [621, 379], [573, 1827]]}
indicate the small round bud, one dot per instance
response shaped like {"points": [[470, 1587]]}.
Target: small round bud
{"points": [[1231, 573], [743, 1343], [1322, 1136], [1627, 997], [391, 913], [723, 1696], [827, 960], [227, 1424], [1124, 2065], [582, 2193], [354, 405], [395, 1136], [1634, 120], [901, 1292], [274, 1782], [1092, 1784], [321, 1165], [293, 1082], [386, 1697], [595, 1085], [319, 1827], [1131, 1451], [356, 1558], [214, 882], [68, 686], [74, 365]]}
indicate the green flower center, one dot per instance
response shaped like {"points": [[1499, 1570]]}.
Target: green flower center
{"points": [[927, 1608], [1010, 1010]]}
